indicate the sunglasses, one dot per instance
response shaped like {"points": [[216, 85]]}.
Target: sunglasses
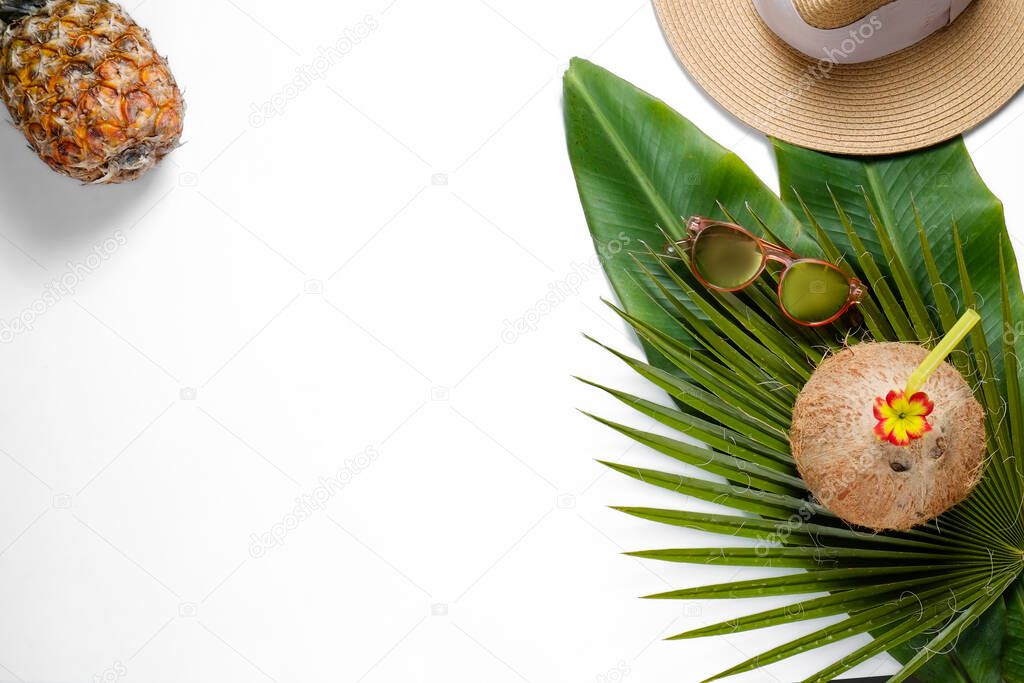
{"points": [[728, 258]]}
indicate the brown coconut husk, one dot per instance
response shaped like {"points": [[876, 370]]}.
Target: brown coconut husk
{"points": [[869, 482]]}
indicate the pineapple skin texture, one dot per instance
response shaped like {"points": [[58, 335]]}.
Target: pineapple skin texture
{"points": [[85, 85]]}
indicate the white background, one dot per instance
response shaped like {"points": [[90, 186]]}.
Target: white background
{"points": [[293, 291]]}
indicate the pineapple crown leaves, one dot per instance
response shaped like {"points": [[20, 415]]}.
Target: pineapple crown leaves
{"points": [[923, 587], [12, 10]]}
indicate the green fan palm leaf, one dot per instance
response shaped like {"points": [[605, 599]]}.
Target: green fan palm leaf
{"points": [[988, 518], [733, 366]]}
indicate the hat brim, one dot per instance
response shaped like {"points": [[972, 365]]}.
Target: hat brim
{"points": [[930, 92]]}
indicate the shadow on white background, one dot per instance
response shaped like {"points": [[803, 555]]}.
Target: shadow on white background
{"points": [[44, 213]]}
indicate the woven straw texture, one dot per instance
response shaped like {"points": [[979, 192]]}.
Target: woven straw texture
{"points": [[944, 85], [836, 13]]}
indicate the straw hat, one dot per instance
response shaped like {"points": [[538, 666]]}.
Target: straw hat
{"points": [[852, 76]]}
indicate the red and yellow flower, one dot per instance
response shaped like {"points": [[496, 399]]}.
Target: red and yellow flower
{"points": [[901, 419]]}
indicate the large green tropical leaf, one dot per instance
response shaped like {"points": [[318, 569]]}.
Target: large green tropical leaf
{"points": [[929, 238], [1013, 649], [634, 175]]}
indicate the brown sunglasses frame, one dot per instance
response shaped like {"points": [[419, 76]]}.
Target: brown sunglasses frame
{"points": [[696, 225]]}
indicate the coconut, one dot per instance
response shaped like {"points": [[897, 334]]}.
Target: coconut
{"points": [[870, 482]]}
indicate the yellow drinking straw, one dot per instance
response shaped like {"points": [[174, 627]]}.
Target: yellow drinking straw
{"points": [[945, 347], [903, 415]]}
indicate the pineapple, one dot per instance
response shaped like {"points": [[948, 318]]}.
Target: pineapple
{"points": [[85, 85]]}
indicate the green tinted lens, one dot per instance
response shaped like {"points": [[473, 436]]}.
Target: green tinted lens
{"points": [[726, 258], [814, 292]]}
